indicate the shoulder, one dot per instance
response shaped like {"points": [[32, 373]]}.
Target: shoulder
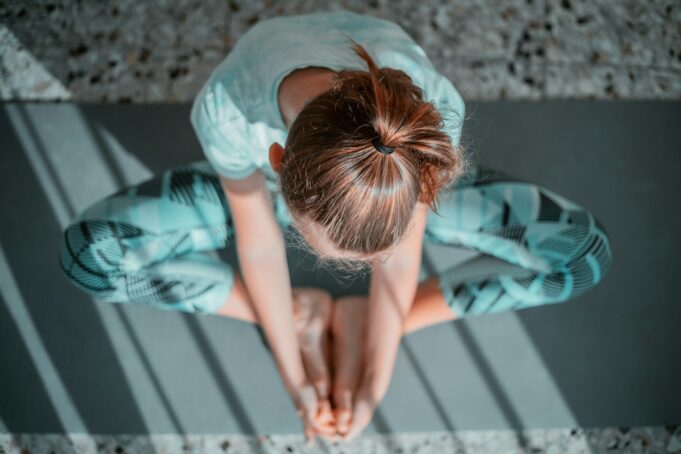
{"points": [[214, 102]]}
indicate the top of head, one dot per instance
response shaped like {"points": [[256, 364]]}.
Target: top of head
{"points": [[360, 155]]}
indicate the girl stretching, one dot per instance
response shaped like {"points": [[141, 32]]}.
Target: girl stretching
{"points": [[336, 127]]}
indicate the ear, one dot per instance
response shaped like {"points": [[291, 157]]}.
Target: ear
{"points": [[276, 156]]}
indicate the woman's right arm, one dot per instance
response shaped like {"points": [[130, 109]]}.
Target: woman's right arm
{"points": [[262, 257]]}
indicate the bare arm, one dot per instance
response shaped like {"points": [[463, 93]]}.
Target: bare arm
{"points": [[262, 257], [391, 295]]}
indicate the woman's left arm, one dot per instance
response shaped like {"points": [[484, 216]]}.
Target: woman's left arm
{"points": [[391, 295]]}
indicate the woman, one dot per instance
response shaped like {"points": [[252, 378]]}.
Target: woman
{"points": [[337, 126]]}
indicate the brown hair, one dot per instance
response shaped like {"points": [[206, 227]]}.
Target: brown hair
{"points": [[332, 174]]}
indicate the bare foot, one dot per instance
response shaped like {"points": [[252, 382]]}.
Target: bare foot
{"points": [[312, 312], [348, 330]]}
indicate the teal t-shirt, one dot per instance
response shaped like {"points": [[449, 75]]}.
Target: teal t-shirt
{"points": [[236, 114]]}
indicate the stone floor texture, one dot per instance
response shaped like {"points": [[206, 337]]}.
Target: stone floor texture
{"points": [[162, 51], [551, 441]]}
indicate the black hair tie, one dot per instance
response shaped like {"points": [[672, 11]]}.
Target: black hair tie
{"points": [[380, 147]]}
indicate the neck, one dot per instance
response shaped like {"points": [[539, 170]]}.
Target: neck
{"points": [[299, 88]]}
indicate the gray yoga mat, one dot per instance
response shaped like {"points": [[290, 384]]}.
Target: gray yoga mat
{"points": [[610, 357]]}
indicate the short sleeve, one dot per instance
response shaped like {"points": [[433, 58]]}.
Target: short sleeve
{"points": [[222, 133], [450, 105]]}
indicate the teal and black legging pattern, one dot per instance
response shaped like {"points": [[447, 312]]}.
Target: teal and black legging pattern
{"points": [[147, 244]]}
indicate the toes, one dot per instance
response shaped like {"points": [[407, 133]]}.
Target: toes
{"points": [[343, 423], [325, 413]]}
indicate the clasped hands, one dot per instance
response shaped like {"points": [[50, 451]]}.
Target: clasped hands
{"points": [[336, 400]]}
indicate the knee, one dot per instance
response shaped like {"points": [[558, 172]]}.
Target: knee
{"points": [[592, 261], [87, 257], [585, 268]]}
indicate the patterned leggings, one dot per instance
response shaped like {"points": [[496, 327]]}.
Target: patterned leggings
{"points": [[143, 244]]}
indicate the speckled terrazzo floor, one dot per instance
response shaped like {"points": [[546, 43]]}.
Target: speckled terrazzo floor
{"points": [[555, 441], [162, 51]]}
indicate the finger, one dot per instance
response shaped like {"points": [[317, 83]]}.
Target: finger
{"points": [[325, 413], [343, 424], [326, 421], [309, 420], [321, 425], [343, 418], [327, 424], [324, 429], [343, 410]]}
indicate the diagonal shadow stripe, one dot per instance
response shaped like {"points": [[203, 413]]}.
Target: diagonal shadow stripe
{"points": [[229, 395], [434, 399], [150, 370], [17, 408], [492, 383]]}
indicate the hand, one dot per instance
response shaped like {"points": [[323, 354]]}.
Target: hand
{"points": [[348, 329], [313, 414], [363, 408], [312, 315]]}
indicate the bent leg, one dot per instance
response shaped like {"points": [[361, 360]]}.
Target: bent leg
{"points": [[555, 249], [142, 245]]}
